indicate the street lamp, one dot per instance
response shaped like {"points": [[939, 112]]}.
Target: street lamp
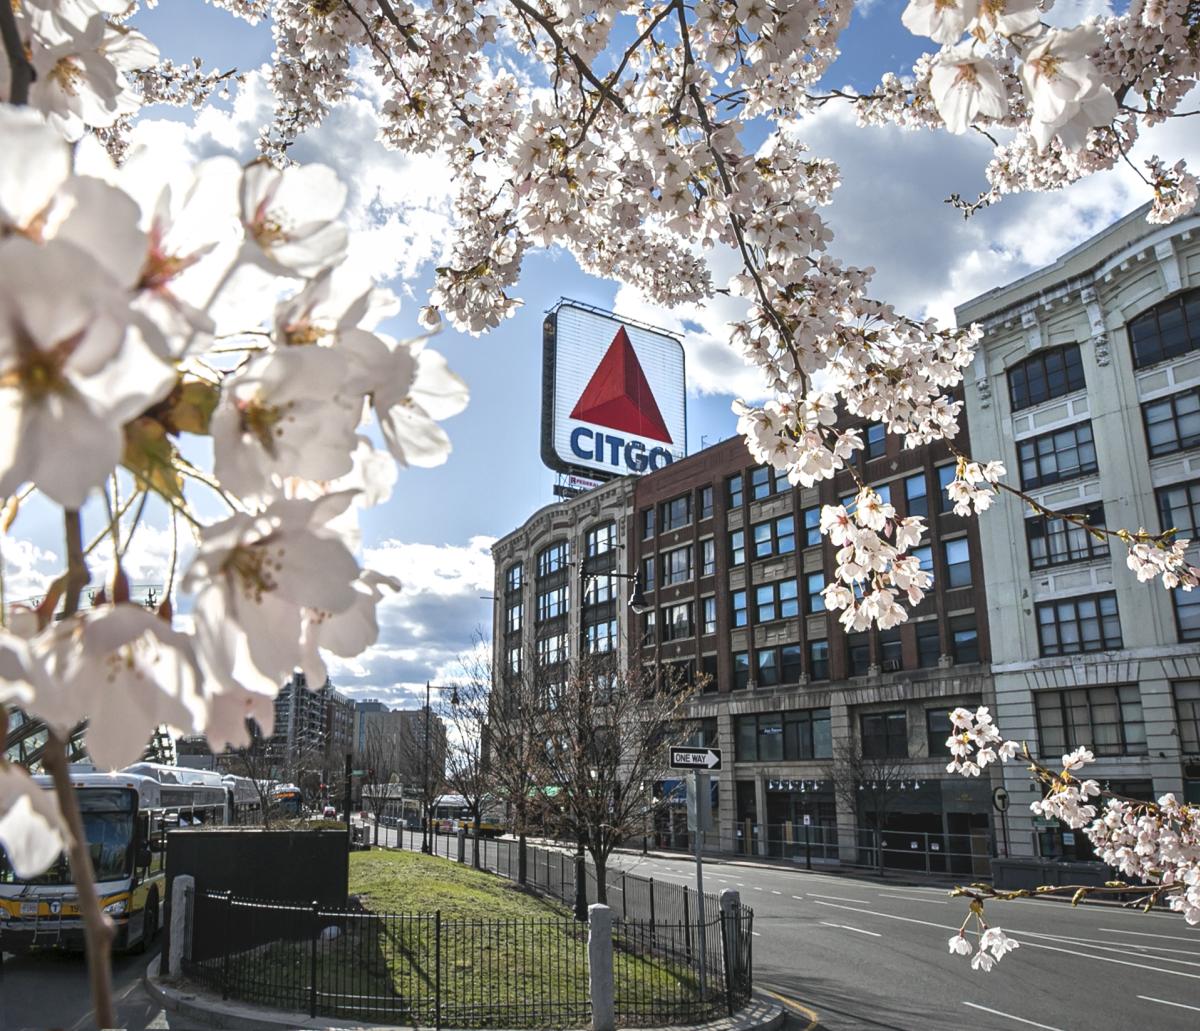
{"points": [[426, 829]]}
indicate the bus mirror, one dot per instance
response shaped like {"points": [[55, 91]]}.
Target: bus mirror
{"points": [[144, 856]]}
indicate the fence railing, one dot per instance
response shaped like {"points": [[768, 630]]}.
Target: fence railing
{"points": [[427, 971]]}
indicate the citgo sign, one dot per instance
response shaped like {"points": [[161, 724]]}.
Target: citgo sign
{"points": [[613, 398]]}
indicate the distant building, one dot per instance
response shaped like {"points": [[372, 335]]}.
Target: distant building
{"points": [[394, 738], [314, 729], [1087, 385]]}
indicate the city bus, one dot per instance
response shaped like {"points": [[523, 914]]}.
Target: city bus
{"points": [[287, 798], [126, 816], [451, 812]]}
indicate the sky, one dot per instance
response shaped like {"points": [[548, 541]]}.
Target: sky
{"points": [[435, 532]]}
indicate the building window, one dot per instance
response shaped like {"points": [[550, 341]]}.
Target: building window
{"points": [[814, 584], [552, 559], [514, 578], [1075, 625], [760, 483], [676, 513], [734, 484], [957, 555], [512, 618], [1172, 423], [945, 476], [708, 556], [1179, 508], [677, 566], [924, 555], [858, 654], [766, 668], [737, 547], [514, 660], [553, 603], [916, 495], [741, 670], [649, 629], [1108, 720], [597, 589], [783, 736], [738, 606], [601, 539], [708, 669], [1167, 330], [884, 735], [774, 537], [648, 573], [1055, 542], [647, 523], [1187, 715], [1045, 375], [775, 601], [1187, 613], [601, 637], [1054, 457], [552, 650], [929, 645], [709, 608], [790, 663], [938, 728], [812, 527], [704, 502], [818, 660], [964, 639], [891, 653], [677, 622], [876, 440]]}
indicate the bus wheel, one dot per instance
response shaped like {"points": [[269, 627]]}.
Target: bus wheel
{"points": [[150, 921]]}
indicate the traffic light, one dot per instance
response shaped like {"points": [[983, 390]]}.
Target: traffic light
{"points": [[371, 773]]}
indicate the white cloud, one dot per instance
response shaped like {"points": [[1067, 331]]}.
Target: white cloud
{"points": [[398, 209], [423, 630], [28, 569]]}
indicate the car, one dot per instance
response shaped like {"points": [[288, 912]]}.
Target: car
{"points": [[329, 813]]}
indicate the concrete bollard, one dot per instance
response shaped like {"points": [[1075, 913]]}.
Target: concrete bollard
{"points": [[462, 844], [730, 900], [182, 890], [600, 968]]}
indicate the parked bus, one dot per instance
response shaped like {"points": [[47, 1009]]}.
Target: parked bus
{"points": [[287, 798], [451, 812], [126, 816]]}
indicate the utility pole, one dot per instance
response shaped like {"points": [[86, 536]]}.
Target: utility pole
{"points": [[426, 829]]}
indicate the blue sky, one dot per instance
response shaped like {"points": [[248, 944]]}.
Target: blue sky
{"points": [[434, 532]]}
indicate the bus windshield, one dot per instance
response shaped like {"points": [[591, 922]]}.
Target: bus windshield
{"points": [[108, 825]]}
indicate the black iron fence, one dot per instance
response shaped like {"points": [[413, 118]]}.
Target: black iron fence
{"points": [[426, 971]]}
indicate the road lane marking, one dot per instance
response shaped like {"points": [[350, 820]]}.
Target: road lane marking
{"points": [[792, 1004], [1031, 944], [1019, 1020], [838, 898], [1168, 1002], [1119, 946], [847, 927], [1147, 934], [774, 892], [909, 898], [798, 898]]}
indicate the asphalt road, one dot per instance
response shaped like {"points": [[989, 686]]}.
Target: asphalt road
{"points": [[865, 954], [48, 989]]}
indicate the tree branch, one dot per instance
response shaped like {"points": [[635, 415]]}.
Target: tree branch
{"points": [[23, 74]]}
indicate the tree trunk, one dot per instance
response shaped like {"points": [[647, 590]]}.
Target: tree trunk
{"points": [[879, 842], [522, 873], [475, 852], [601, 865]]}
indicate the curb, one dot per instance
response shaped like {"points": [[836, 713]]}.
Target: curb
{"points": [[761, 1014]]}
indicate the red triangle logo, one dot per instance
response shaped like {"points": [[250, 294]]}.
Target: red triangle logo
{"points": [[618, 396]]}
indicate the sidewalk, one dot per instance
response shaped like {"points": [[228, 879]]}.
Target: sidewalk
{"points": [[208, 1011]]}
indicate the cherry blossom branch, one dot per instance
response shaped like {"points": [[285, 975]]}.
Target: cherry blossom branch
{"points": [[22, 73]]}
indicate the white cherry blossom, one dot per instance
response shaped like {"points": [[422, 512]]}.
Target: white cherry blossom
{"points": [[966, 87]]}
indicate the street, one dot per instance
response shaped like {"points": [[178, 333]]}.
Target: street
{"points": [[48, 989], [866, 954]]}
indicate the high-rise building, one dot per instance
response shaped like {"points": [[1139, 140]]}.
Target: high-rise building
{"points": [[1087, 386], [392, 740]]}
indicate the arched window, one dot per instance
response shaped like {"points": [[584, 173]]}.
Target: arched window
{"points": [[1045, 375], [1167, 330]]}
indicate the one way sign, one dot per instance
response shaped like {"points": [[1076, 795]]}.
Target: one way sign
{"points": [[684, 758]]}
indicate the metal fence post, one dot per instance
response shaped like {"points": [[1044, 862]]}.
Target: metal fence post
{"points": [[653, 928], [624, 898], [437, 970], [687, 931], [731, 902], [316, 934], [225, 942]]}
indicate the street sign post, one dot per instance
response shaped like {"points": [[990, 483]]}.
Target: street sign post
{"points": [[684, 757], [1000, 800]]}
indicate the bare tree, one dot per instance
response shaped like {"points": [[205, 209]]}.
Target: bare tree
{"points": [[466, 721], [380, 757], [605, 739], [867, 786], [256, 763]]}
